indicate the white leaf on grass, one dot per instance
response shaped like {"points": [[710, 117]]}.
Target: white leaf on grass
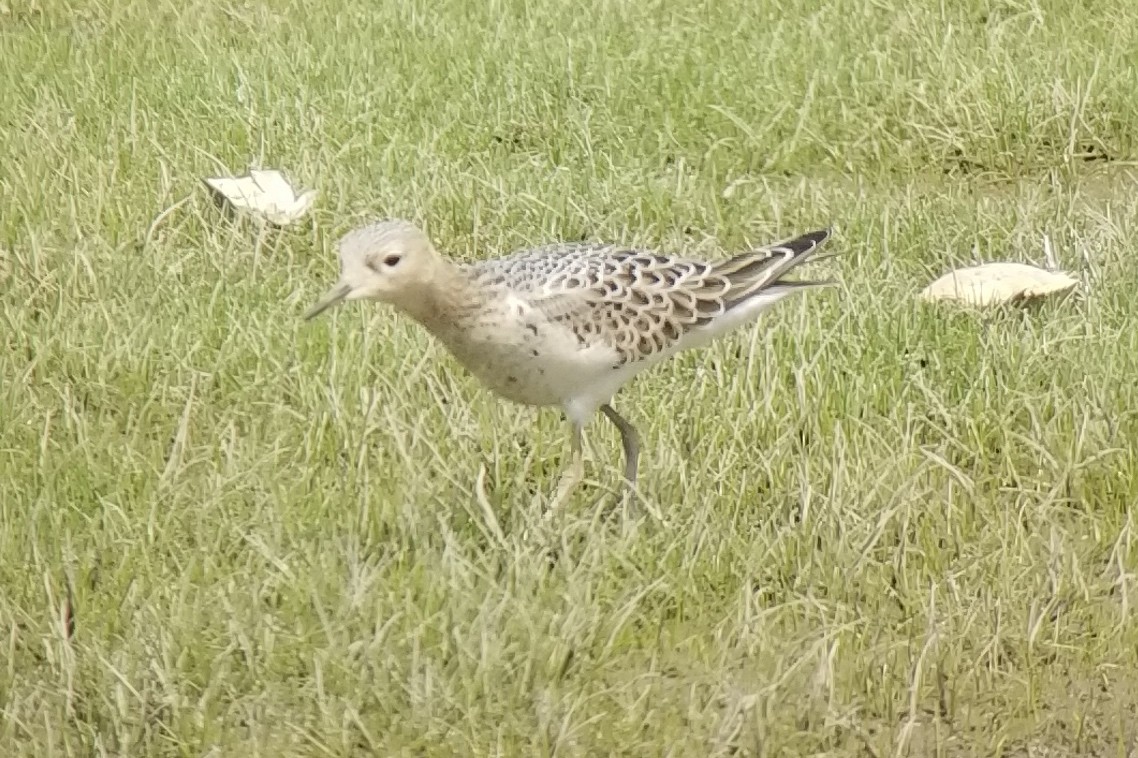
{"points": [[992, 283], [264, 193]]}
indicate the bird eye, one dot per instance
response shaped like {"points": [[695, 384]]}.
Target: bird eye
{"points": [[392, 260]]}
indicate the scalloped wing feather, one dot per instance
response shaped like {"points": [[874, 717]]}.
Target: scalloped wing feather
{"points": [[642, 304]]}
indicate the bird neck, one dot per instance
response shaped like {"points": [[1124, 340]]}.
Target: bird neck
{"points": [[444, 301]]}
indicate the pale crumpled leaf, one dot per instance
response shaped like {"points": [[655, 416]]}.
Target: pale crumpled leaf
{"points": [[993, 283], [264, 193]]}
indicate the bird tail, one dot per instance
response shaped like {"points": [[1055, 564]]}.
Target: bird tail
{"points": [[761, 270]]}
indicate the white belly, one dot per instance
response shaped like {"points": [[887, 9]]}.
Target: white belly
{"points": [[531, 361]]}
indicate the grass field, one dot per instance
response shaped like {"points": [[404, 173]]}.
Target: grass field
{"points": [[888, 529]]}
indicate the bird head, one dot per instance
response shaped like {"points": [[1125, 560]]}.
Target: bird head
{"points": [[389, 261]]}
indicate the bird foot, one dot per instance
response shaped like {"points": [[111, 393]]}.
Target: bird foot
{"points": [[570, 480]]}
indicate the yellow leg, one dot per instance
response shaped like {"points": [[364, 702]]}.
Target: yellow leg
{"points": [[574, 472], [629, 440]]}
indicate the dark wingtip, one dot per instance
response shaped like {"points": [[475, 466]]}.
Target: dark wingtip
{"points": [[808, 241]]}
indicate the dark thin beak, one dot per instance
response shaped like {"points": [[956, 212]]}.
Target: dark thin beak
{"points": [[332, 297]]}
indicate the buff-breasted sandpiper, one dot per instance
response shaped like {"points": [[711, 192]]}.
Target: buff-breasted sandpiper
{"points": [[567, 324]]}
